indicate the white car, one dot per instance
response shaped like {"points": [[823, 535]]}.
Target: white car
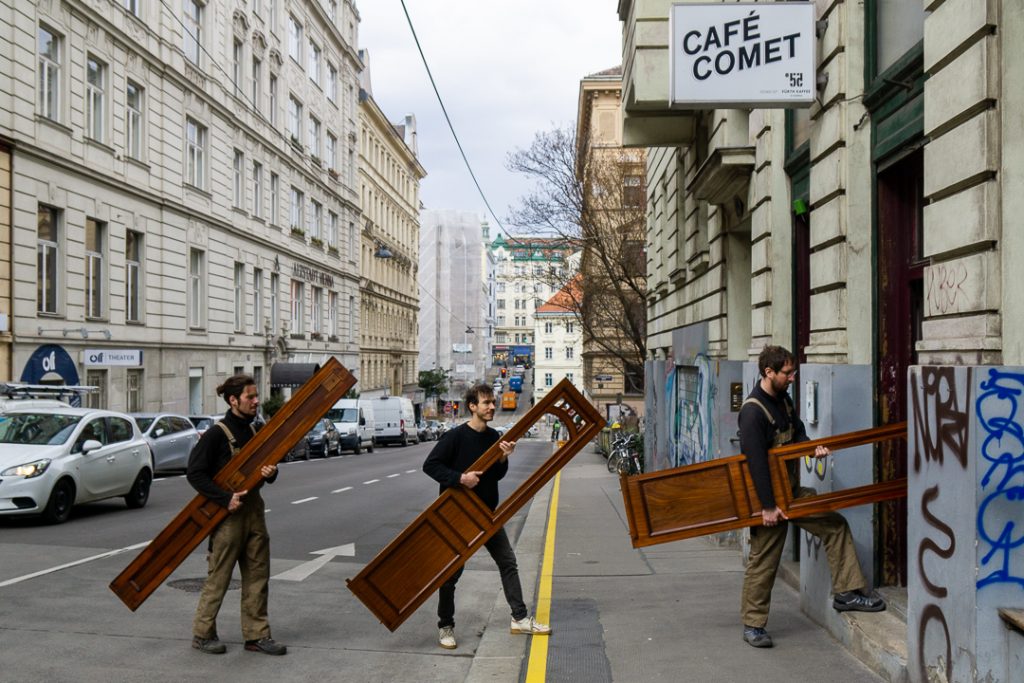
{"points": [[54, 458]]}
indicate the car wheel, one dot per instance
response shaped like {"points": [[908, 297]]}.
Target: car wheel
{"points": [[405, 440], [138, 496], [358, 447], [62, 498], [371, 446]]}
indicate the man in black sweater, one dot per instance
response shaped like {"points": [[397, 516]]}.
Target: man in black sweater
{"points": [[768, 419], [447, 464], [242, 537]]}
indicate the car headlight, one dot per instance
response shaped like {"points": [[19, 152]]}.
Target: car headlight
{"points": [[28, 470]]}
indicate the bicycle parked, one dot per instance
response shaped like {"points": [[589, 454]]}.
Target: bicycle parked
{"points": [[625, 456]]}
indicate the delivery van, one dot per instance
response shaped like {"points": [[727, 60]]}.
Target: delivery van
{"points": [[395, 421], [354, 420], [516, 383], [509, 400]]}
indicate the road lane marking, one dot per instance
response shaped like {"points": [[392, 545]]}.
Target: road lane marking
{"points": [[392, 476], [347, 488], [303, 500], [44, 572], [536, 669], [303, 571], [372, 481], [409, 471]]}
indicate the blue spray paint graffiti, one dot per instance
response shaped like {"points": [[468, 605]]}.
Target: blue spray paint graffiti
{"points": [[693, 427], [1002, 507]]}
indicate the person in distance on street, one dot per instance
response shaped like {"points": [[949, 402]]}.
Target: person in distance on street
{"points": [[447, 464], [768, 419], [242, 537]]}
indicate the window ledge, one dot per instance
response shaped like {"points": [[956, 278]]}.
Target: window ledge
{"points": [[54, 124]]}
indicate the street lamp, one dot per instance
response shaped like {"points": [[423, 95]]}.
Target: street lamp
{"points": [[382, 251]]}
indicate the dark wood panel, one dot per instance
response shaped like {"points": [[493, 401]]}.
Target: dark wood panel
{"points": [[719, 495], [195, 522], [439, 542]]}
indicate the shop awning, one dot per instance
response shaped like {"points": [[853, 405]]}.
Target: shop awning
{"points": [[291, 374]]}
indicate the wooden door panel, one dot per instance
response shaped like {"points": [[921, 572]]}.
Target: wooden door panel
{"points": [[439, 542], [719, 495], [201, 516]]}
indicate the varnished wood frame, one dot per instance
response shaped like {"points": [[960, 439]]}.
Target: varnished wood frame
{"points": [[719, 495], [443, 537], [195, 522]]}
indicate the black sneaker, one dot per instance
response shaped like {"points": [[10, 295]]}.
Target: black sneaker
{"points": [[856, 601], [756, 636], [267, 646], [211, 646]]}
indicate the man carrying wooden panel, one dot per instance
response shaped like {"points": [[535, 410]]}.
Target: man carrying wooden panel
{"points": [[768, 419]]}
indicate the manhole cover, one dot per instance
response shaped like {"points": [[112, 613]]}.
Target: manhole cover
{"points": [[196, 585]]}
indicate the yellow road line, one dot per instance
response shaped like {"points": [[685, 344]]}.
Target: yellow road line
{"points": [[536, 669]]}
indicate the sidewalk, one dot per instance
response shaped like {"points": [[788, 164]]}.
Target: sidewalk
{"points": [[664, 613]]}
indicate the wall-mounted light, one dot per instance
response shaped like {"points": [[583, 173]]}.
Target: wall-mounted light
{"points": [[382, 251], [83, 331]]}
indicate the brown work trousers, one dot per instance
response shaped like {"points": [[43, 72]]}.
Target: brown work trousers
{"points": [[766, 551], [242, 537]]}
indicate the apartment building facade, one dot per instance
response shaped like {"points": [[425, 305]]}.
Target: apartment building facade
{"points": [[183, 194]]}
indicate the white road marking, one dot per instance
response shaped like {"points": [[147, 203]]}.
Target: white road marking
{"points": [[409, 471], [372, 481], [302, 571], [347, 488], [392, 476], [44, 572], [304, 500]]}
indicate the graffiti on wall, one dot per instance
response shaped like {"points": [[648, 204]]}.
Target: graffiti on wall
{"points": [[945, 287], [693, 426], [1001, 511], [941, 422]]}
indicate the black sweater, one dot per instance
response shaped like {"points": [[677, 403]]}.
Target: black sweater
{"points": [[757, 434], [456, 451], [212, 453]]}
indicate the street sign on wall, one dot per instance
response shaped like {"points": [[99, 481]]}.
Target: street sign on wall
{"points": [[126, 357], [741, 55]]}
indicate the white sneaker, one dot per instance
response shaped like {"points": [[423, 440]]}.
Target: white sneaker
{"points": [[446, 637], [529, 626]]}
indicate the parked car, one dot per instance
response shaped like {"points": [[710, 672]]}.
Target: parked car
{"points": [[323, 439], [354, 420], [395, 421], [437, 427], [204, 422], [424, 432], [171, 439], [54, 458]]}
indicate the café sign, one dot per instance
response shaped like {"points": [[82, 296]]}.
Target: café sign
{"points": [[741, 55]]}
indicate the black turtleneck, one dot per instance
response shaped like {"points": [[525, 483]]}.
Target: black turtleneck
{"points": [[213, 452]]}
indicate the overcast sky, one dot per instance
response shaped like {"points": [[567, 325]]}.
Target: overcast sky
{"points": [[504, 69]]}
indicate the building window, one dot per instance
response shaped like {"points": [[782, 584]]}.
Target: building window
{"points": [[501, 321], [501, 304], [314, 136], [133, 121], [133, 6], [49, 74], [332, 314], [295, 119], [239, 297], [275, 303], [569, 376], [257, 301], [195, 164], [332, 230], [196, 285], [195, 390], [548, 379], [352, 241], [237, 55], [94, 238], [96, 399], [295, 210], [298, 307], [294, 39], [332, 11], [568, 353], [95, 77], [238, 187], [633, 192], [314, 63], [316, 219], [272, 13], [331, 153], [275, 191], [318, 310], [351, 319], [133, 391], [549, 353], [257, 189], [192, 28], [332, 83], [48, 259], [132, 275], [257, 83], [273, 100], [569, 327], [549, 328]]}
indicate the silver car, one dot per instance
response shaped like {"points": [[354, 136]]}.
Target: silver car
{"points": [[170, 437]]}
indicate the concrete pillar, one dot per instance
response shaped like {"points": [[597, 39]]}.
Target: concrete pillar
{"points": [[965, 522]]}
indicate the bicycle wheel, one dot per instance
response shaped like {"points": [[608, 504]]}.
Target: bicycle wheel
{"points": [[613, 461], [625, 466]]}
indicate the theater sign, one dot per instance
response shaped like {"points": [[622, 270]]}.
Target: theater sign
{"points": [[741, 55]]}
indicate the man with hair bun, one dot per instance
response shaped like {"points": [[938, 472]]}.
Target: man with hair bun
{"points": [[242, 537]]}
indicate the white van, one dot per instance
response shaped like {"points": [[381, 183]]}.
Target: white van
{"points": [[396, 420], [354, 421]]}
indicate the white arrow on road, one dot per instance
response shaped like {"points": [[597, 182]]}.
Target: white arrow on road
{"points": [[302, 572]]}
